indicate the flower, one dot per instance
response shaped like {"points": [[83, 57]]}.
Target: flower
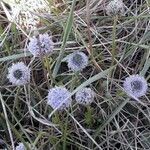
{"points": [[18, 74], [20, 147], [77, 61], [59, 97], [115, 7], [26, 13], [41, 45], [135, 85], [85, 96]]}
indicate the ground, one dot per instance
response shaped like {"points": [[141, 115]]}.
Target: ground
{"points": [[117, 46]]}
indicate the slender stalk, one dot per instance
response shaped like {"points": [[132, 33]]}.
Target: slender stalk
{"points": [[65, 133], [114, 40], [7, 121], [111, 117], [65, 38]]}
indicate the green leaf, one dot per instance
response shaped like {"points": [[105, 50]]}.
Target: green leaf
{"points": [[146, 67], [65, 38], [14, 57]]}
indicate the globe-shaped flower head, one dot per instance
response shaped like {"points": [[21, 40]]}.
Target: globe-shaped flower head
{"points": [[77, 61], [59, 97], [85, 96], [41, 45], [26, 13], [115, 7], [18, 74], [135, 85], [20, 147]]}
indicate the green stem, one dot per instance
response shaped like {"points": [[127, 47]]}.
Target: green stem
{"points": [[49, 69], [88, 116], [113, 52], [65, 133], [114, 40]]}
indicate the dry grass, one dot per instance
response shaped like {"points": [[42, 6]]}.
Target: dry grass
{"points": [[114, 121]]}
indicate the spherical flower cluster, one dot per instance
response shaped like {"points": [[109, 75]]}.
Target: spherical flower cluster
{"points": [[20, 147], [77, 61], [135, 85], [19, 74], [25, 12], [85, 96], [41, 45], [59, 97], [115, 7]]}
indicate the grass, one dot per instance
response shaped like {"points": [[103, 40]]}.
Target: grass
{"points": [[116, 46]]}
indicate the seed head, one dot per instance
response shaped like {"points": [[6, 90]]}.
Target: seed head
{"points": [[59, 97], [115, 7], [41, 45], [18, 74], [77, 61], [85, 96], [135, 85]]}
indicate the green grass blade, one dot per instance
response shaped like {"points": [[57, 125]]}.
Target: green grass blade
{"points": [[65, 38], [14, 57], [110, 118], [146, 67]]}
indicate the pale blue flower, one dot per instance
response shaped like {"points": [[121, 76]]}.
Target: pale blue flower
{"points": [[85, 96], [59, 97], [135, 85], [115, 7], [41, 45], [26, 13], [77, 61], [20, 147], [18, 74]]}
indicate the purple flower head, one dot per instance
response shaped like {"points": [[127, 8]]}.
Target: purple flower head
{"points": [[115, 7], [135, 85], [85, 96], [77, 61], [20, 147], [59, 97], [18, 74], [41, 45]]}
